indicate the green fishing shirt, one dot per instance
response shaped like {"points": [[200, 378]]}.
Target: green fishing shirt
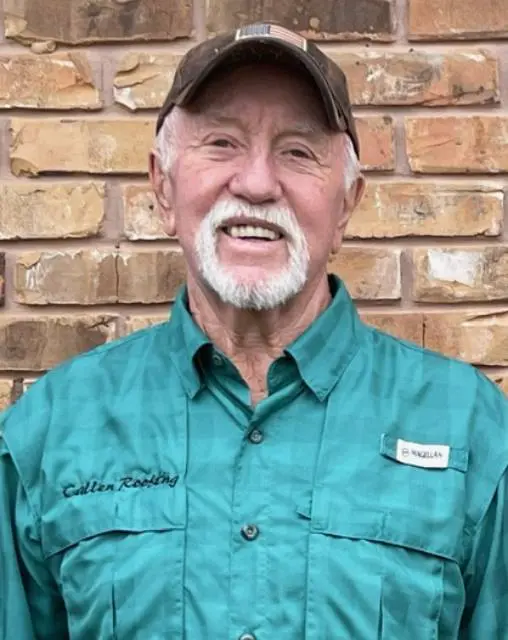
{"points": [[365, 498]]}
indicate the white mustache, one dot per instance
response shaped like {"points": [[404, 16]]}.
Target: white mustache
{"points": [[226, 210]]}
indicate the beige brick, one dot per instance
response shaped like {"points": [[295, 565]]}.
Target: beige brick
{"points": [[60, 81], [449, 19], [81, 146], [406, 326], [141, 220], [66, 210], [376, 143], [420, 78], [465, 274], [375, 78], [150, 276], [39, 343], [136, 323], [369, 274], [396, 209], [82, 21], [66, 277], [316, 19], [478, 338], [5, 393], [143, 80], [457, 144]]}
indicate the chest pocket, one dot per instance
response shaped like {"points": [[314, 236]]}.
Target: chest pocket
{"points": [[377, 574], [119, 561]]}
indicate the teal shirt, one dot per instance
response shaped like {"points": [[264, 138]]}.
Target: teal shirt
{"points": [[143, 498]]}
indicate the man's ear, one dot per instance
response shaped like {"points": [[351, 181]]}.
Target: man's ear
{"points": [[161, 186], [351, 200]]}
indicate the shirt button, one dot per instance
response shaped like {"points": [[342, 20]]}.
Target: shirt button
{"points": [[256, 436], [217, 359], [247, 636], [250, 532]]}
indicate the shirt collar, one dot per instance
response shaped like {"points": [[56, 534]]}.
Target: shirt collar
{"points": [[324, 350], [321, 353]]}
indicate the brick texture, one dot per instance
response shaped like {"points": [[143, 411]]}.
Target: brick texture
{"points": [[461, 144], [81, 21], [61, 81], [449, 19], [32, 211], [458, 275], [83, 256], [315, 19], [37, 344]]}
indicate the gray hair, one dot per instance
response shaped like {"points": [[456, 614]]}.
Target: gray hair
{"points": [[165, 149]]}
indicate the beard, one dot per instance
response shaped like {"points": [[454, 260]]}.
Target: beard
{"points": [[261, 294]]}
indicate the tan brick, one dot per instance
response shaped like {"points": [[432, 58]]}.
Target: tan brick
{"points": [[66, 277], [316, 19], [406, 326], [478, 338], [369, 274], [449, 19], [465, 274], [82, 21], [66, 210], [5, 393], [150, 276], [86, 146], [396, 209], [459, 144], [376, 143], [136, 323], [418, 78], [60, 81], [39, 343], [141, 219], [143, 80]]}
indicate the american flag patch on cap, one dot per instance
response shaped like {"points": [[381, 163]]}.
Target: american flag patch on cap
{"points": [[271, 31]]}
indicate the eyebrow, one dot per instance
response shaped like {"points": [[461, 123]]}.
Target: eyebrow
{"points": [[311, 130]]}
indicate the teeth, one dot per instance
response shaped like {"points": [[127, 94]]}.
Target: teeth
{"points": [[248, 231]]}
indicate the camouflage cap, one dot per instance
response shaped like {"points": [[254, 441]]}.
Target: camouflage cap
{"points": [[249, 44]]}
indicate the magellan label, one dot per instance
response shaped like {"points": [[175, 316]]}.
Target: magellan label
{"points": [[433, 456]]}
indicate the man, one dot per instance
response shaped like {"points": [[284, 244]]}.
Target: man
{"points": [[263, 465]]}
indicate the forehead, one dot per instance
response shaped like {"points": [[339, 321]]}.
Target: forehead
{"points": [[267, 89]]}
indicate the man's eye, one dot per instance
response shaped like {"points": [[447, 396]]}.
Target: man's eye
{"points": [[222, 143], [299, 153]]}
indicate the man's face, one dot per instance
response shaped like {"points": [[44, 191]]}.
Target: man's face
{"points": [[256, 191]]}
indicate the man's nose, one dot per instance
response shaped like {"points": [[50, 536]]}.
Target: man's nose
{"points": [[256, 180]]}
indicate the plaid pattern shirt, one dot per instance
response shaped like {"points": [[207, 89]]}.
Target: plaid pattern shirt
{"points": [[143, 498]]}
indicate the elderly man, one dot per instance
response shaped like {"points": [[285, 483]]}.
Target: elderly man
{"points": [[263, 465]]}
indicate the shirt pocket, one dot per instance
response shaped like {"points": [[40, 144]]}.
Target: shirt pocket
{"points": [[119, 561], [374, 573]]}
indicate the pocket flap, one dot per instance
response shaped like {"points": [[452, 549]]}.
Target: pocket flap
{"points": [[416, 531], [74, 519]]}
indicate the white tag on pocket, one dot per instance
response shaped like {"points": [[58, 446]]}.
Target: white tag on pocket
{"points": [[431, 456]]}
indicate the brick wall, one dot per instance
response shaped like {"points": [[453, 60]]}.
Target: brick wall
{"points": [[82, 256]]}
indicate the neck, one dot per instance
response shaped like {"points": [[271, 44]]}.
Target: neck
{"points": [[252, 340]]}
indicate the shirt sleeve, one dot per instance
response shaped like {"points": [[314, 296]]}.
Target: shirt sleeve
{"points": [[486, 577], [30, 605]]}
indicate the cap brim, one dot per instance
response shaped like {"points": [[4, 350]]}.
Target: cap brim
{"points": [[257, 43]]}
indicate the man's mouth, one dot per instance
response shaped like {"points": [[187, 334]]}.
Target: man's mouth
{"points": [[251, 232]]}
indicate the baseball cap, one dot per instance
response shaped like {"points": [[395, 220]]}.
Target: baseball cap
{"points": [[249, 44]]}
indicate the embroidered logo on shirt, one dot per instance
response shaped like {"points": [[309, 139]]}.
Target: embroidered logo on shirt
{"points": [[432, 456], [126, 482]]}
